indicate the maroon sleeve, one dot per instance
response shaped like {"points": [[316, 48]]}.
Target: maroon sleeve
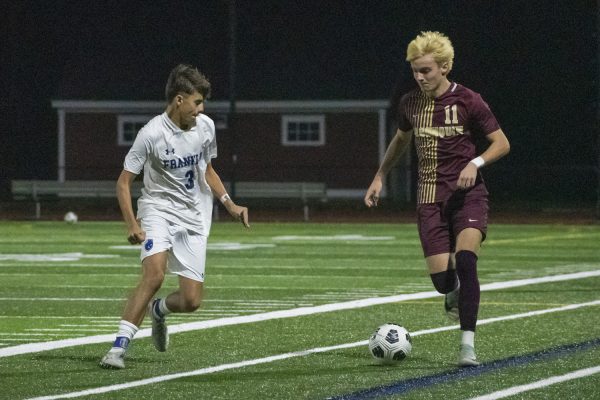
{"points": [[482, 116], [403, 122]]}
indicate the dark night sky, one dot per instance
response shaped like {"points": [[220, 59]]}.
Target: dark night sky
{"points": [[535, 62]]}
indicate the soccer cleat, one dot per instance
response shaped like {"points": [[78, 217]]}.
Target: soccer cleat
{"points": [[160, 333], [451, 304], [113, 359], [466, 356]]}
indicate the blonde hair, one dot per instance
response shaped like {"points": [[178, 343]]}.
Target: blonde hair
{"points": [[435, 43]]}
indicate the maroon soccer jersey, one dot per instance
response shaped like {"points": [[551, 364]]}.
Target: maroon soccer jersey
{"points": [[445, 129]]}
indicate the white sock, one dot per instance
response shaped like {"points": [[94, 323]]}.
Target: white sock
{"points": [[468, 338], [162, 306], [124, 335]]}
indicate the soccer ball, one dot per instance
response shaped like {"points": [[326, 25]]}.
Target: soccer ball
{"points": [[70, 218], [390, 343]]}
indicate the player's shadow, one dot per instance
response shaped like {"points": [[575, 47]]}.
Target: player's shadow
{"points": [[76, 363], [363, 366], [412, 361]]}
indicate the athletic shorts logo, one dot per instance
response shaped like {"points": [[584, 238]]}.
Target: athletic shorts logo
{"points": [[149, 244]]}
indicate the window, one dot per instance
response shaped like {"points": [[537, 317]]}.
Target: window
{"points": [[303, 130], [129, 126]]}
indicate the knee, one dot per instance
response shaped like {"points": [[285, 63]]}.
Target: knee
{"points": [[445, 281], [466, 262], [191, 304], [154, 280]]}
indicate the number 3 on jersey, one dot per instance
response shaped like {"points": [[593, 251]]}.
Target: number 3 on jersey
{"points": [[190, 183]]}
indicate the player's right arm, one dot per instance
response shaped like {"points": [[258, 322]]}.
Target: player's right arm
{"points": [[395, 149], [135, 234]]}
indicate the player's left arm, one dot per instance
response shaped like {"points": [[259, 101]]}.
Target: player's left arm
{"points": [[218, 189], [498, 148]]}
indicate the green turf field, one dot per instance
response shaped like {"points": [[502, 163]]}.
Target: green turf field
{"points": [[281, 321]]}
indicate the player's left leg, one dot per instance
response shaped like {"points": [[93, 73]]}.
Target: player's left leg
{"points": [[467, 248], [188, 298]]}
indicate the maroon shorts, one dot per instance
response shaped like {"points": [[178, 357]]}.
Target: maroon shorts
{"points": [[440, 223]]}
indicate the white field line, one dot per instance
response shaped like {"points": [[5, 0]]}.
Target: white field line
{"points": [[291, 313], [581, 373], [59, 299], [62, 264], [285, 356]]}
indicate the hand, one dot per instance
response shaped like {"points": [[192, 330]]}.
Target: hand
{"points": [[372, 196], [238, 212], [136, 235], [467, 176]]}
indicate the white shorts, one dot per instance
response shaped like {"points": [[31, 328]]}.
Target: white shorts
{"points": [[186, 249]]}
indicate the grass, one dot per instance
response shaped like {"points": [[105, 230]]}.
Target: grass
{"points": [[64, 281]]}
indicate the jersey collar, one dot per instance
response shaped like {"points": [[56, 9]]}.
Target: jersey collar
{"points": [[170, 124]]}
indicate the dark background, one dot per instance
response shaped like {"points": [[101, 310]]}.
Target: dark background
{"points": [[535, 63]]}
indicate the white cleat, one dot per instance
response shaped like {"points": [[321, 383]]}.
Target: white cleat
{"points": [[451, 304], [113, 359], [466, 356], [160, 333]]}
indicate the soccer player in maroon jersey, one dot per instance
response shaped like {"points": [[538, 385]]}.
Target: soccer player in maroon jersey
{"points": [[446, 118]]}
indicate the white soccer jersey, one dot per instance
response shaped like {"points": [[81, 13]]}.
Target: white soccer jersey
{"points": [[174, 162]]}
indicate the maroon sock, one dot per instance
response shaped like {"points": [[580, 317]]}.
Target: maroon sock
{"points": [[445, 281], [468, 298]]}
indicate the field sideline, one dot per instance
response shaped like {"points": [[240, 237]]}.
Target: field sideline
{"points": [[288, 310]]}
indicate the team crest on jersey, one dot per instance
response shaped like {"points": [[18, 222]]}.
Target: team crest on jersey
{"points": [[149, 244]]}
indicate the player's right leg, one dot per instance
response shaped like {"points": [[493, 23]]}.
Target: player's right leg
{"points": [[115, 356], [452, 291], [437, 243], [153, 272], [444, 279]]}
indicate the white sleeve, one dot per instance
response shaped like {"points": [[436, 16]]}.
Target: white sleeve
{"points": [[137, 155], [211, 151], [211, 148]]}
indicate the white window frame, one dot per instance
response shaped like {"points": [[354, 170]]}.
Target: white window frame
{"points": [[286, 119], [122, 120]]}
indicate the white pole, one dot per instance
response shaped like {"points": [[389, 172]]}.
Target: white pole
{"points": [[382, 142], [61, 145]]}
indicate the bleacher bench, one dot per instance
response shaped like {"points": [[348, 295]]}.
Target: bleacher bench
{"points": [[38, 190], [304, 191]]}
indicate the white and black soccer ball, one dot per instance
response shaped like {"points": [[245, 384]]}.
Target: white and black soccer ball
{"points": [[390, 343], [70, 218]]}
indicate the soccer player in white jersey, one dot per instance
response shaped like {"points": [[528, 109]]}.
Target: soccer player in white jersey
{"points": [[174, 151]]}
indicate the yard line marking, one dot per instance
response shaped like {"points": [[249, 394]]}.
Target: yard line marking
{"points": [[60, 299], [290, 313], [53, 257], [34, 334], [333, 238], [455, 375], [69, 330], [500, 394], [87, 274], [69, 265], [111, 317], [540, 238], [285, 356]]}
